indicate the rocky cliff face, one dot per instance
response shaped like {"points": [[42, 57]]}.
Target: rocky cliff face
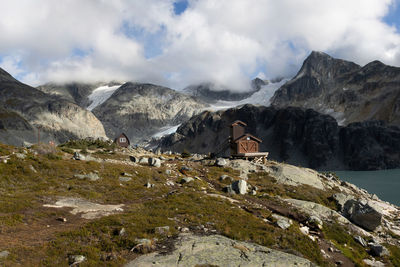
{"points": [[345, 90], [24, 109], [295, 135], [140, 110], [210, 93]]}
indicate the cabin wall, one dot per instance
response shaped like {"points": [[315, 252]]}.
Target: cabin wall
{"points": [[247, 146], [237, 131]]}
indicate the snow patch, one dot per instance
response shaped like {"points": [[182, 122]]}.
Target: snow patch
{"points": [[262, 97], [166, 131], [100, 95]]}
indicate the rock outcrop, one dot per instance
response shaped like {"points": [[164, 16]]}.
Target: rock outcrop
{"points": [[345, 90], [25, 109], [216, 250], [294, 135]]}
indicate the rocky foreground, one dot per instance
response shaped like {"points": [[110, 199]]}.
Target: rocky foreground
{"points": [[89, 203]]}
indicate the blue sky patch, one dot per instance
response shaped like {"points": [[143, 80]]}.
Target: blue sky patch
{"points": [[180, 6]]}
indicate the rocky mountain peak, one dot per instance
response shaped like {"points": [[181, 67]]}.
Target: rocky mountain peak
{"points": [[5, 76], [319, 64]]}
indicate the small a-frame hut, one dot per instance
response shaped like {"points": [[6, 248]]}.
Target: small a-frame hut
{"points": [[122, 140]]}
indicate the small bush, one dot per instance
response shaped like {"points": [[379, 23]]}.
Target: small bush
{"points": [[186, 154]]}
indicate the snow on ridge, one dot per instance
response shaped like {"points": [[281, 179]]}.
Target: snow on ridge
{"points": [[100, 95], [166, 131], [262, 97]]}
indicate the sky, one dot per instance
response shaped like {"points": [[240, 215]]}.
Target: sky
{"points": [[177, 43]]}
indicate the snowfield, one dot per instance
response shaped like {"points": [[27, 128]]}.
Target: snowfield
{"points": [[261, 97], [100, 95]]}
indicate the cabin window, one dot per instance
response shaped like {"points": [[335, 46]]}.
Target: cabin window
{"points": [[248, 138], [122, 140]]}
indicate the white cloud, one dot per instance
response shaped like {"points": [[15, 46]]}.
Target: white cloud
{"points": [[223, 41]]}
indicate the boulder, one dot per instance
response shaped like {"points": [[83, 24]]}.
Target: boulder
{"points": [[240, 187], [143, 161], [186, 180], [216, 250], [78, 156], [378, 250], [124, 179], [185, 168], [155, 162], [360, 240], [149, 185], [362, 214], [282, 222], [315, 221], [168, 172], [221, 162], [134, 159], [341, 199], [228, 189], [374, 263], [76, 259]]}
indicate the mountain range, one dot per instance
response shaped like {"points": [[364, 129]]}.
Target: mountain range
{"points": [[335, 101]]}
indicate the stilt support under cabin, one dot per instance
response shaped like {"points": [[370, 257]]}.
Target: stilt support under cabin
{"points": [[256, 157]]}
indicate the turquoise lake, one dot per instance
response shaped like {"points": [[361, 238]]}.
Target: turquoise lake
{"points": [[385, 184]]}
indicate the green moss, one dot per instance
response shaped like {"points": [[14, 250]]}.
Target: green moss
{"points": [[394, 254], [345, 243]]}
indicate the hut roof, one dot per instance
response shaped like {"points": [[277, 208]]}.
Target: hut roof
{"points": [[238, 122], [250, 136]]}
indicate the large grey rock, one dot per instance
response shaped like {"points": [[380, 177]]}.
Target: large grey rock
{"points": [[221, 162], [155, 162], [78, 156], [341, 199], [282, 222], [186, 180], [240, 187], [76, 259], [218, 250], [124, 179], [378, 250], [134, 159], [360, 240], [362, 214], [143, 160]]}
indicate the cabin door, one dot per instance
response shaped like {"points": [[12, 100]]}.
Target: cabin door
{"points": [[247, 146]]}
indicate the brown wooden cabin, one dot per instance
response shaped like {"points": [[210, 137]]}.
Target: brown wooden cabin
{"points": [[242, 142], [122, 140], [247, 143]]}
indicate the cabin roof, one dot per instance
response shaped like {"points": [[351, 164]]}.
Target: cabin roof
{"points": [[248, 135], [238, 122], [122, 135]]}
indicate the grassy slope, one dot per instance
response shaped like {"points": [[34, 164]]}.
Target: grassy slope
{"points": [[34, 236]]}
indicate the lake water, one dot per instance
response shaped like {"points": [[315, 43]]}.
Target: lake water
{"points": [[385, 184]]}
